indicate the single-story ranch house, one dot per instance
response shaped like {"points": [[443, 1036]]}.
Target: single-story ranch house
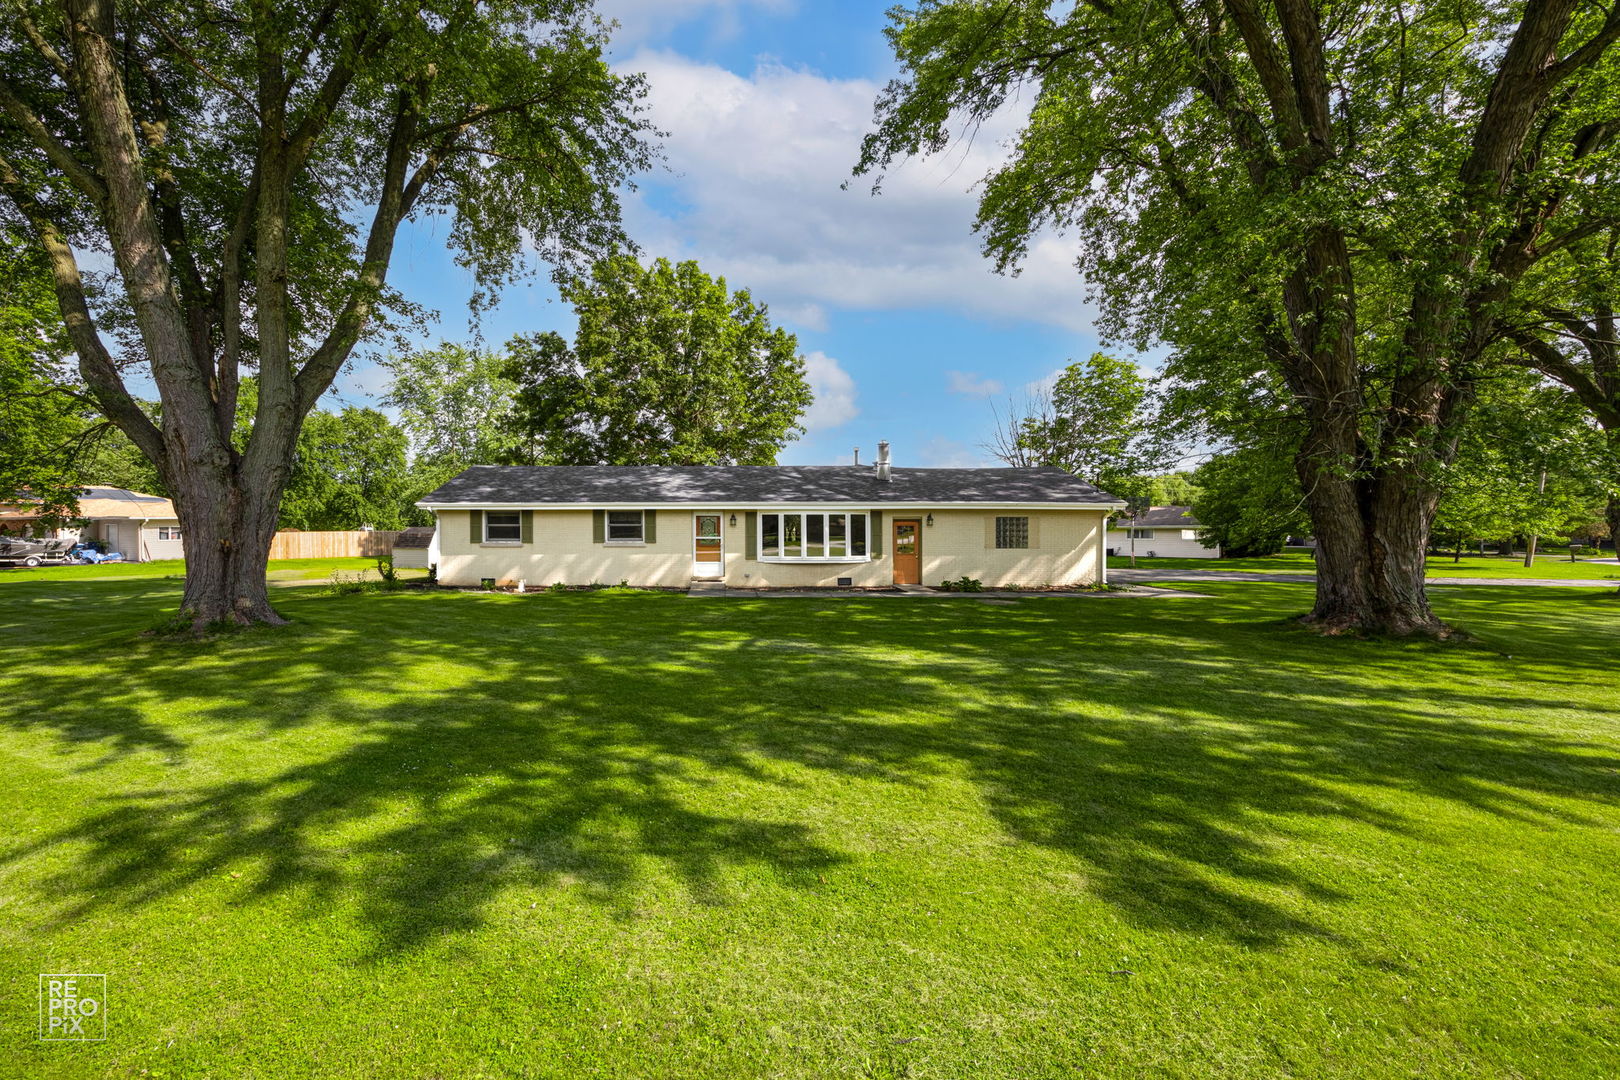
{"points": [[141, 527], [1166, 532], [768, 526]]}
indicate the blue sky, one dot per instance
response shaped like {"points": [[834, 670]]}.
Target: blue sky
{"points": [[908, 334]]}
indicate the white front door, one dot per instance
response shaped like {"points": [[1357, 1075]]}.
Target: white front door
{"points": [[708, 550]]}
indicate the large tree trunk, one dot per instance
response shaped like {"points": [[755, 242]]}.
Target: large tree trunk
{"points": [[1372, 538], [228, 530]]}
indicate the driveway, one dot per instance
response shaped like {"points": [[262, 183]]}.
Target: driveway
{"points": [[1143, 576]]}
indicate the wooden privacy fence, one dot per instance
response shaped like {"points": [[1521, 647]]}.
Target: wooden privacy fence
{"points": [[291, 544]]}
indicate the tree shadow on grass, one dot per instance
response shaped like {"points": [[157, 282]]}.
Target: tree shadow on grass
{"points": [[447, 748]]}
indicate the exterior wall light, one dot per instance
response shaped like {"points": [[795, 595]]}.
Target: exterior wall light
{"points": [[733, 521], [930, 521]]}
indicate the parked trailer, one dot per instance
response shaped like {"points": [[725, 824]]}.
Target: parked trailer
{"points": [[37, 552]]}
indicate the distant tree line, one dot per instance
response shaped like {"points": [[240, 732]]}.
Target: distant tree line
{"points": [[668, 366], [1533, 462]]}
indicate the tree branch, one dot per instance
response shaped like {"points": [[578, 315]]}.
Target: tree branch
{"points": [[1544, 358], [392, 206], [95, 362], [45, 49], [78, 173], [1589, 52]]}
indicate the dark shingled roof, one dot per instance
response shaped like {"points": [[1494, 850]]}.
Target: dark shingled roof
{"points": [[596, 484], [417, 536], [1164, 517]]}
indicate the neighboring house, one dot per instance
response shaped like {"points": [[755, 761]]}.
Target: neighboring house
{"points": [[412, 548], [769, 526], [21, 520], [143, 527], [1161, 532]]}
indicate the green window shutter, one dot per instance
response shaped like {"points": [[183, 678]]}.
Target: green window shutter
{"points": [[476, 532], [598, 526], [751, 534], [874, 543], [649, 526], [528, 526]]}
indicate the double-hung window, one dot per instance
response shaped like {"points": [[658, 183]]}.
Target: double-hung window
{"points": [[503, 528], [812, 536], [168, 532], [1141, 534], [625, 527]]}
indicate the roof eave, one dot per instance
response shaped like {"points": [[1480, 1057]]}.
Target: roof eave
{"points": [[788, 504]]}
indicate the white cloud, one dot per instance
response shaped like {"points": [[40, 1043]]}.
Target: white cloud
{"points": [[834, 390], [1043, 386], [972, 384], [641, 20], [803, 316], [757, 167], [942, 453]]}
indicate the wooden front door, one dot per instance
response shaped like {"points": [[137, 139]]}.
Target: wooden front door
{"points": [[907, 550], [708, 554]]}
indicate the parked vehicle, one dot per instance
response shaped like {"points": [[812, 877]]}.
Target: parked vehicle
{"points": [[35, 552]]}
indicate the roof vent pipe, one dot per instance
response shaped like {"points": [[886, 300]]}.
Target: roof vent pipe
{"points": [[883, 462], [857, 455]]}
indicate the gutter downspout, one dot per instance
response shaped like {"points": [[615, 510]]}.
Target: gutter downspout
{"points": [[1102, 550]]}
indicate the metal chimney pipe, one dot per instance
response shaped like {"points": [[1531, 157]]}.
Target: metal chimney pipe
{"points": [[883, 461]]}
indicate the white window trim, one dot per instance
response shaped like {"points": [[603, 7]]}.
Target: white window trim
{"points": [[607, 530], [822, 560], [518, 542], [851, 559]]}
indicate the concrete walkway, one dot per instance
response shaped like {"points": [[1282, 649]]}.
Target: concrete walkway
{"points": [[1143, 576], [708, 589]]}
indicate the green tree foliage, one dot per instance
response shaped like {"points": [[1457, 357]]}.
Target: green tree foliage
{"points": [[349, 471], [1100, 421], [247, 167], [668, 367], [1530, 462], [1249, 501], [41, 420], [111, 459], [1567, 329], [1336, 205], [454, 405], [1174, 489]]}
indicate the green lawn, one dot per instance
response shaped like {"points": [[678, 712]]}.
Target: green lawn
{"points": [[1473, 566], [424, 835], [280, 570]]}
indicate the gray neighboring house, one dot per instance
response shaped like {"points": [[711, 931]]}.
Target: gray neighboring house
{"points": [[1164, 532]]}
